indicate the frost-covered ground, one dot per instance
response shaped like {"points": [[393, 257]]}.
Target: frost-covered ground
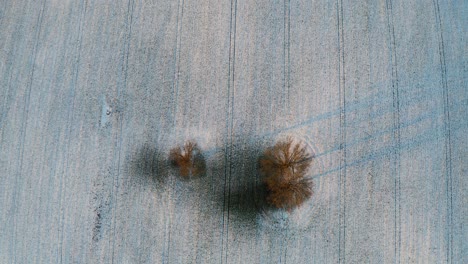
{"points": [[93, 94]]}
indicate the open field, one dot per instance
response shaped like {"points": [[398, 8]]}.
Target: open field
{"points": [[94, 94]]}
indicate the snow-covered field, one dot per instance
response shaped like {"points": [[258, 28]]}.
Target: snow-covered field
{"points": [[94, 94]]}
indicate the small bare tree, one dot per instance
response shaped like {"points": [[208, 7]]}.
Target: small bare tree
{"points": [[188, 160]]}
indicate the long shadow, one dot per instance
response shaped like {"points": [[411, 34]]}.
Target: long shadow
{"points": [[149, 166], [243, 194]]}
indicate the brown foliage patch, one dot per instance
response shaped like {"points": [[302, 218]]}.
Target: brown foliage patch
{"points": [[284, 167], [188, 160]]}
